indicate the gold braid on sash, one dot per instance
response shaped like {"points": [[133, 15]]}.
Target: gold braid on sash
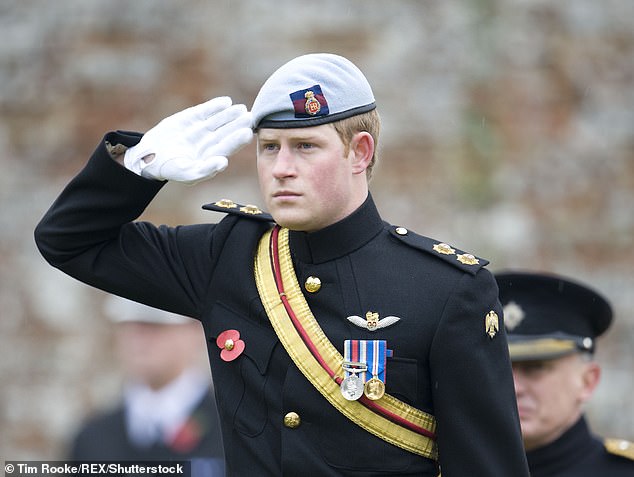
{"points": [[388, 418]]}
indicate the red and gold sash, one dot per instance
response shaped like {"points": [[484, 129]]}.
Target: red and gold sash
{"points": [[388, 418]]}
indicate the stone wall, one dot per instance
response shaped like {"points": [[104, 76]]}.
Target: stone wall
{"points": [[508, 131]]}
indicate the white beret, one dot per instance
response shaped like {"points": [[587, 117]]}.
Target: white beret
{"points": [[121, 310], [310, 90]]}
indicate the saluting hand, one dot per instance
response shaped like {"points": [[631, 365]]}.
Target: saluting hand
{"points": [[192, 145]]}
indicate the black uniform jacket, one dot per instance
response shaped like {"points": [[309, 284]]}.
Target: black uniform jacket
{"points": [[578, 453], [104, 437], [443, 361]]}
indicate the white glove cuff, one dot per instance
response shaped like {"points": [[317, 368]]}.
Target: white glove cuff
{"points": [[133, 159]]}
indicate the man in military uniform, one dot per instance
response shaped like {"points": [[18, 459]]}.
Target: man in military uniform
{"points": [[339, 344], [553, 323]]}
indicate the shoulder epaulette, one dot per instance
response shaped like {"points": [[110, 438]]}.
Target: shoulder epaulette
{"points": [[458, 258], [620, 447], [230, 207]]}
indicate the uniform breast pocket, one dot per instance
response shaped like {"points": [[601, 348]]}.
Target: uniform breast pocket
{"points": [[402, 379], [241, 383]]}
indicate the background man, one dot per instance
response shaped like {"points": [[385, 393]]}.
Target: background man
{"points": [[168, 410], [332, 274], [553, 323]]}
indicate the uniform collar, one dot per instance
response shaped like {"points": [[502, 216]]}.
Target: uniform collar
{"points": [[563, 453], [338, 239]]}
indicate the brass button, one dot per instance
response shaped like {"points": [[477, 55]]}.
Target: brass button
{"points": [[587, 342], [401, 230], [229, 344], [313, 284], [292, 420]]}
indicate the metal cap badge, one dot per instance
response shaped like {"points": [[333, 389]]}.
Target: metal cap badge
{"points": [[548, 315]]}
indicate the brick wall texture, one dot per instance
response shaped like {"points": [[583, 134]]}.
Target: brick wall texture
{"points": [[508, 131]]}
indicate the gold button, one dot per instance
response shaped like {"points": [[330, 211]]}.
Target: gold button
{"points": [[229, 344], [313, 284], [292, 420], [401, 230]]}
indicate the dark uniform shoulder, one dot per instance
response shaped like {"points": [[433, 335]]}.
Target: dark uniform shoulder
{"points": [[620, 447], [230, 207], [458, 258]]}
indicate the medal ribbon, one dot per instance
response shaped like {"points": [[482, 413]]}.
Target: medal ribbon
{"points": [[376, 356], [373, 353], [388, 418]]}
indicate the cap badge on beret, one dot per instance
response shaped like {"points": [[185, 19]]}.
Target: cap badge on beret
{"points": [[309, 102], [513, 315]]}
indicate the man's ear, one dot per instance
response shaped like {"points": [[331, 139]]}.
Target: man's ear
{"points": [[362, 151], [591, 377]]}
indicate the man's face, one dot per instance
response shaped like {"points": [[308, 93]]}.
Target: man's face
{"points": [[306, 177], [550, 395], [155, 354]]}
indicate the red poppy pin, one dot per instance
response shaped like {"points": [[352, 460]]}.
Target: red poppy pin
{"points": [[231, 345], [187, 437]]}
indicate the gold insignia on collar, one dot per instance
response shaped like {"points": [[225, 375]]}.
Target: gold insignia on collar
{"points": [[513, 315], [491, 324], [226, 203], [250, 209], [467, 259], [444, 248], [372, 322]]}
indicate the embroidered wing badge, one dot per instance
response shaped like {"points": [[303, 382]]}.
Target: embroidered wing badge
{"points": [[372, 321]]}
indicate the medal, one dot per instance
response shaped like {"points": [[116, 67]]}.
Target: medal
{"points": [[376, 356], [352, 385], [374, 389], [368, 358]]}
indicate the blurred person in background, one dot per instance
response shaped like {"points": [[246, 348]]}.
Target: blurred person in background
{"points": [[553, 323], [167, 411]]}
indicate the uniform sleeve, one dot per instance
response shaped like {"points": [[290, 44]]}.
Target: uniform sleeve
{"points": [[90, 234], [473, 394]]}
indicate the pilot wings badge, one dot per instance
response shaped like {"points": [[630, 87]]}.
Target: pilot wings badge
{"points": [[372, 321]]}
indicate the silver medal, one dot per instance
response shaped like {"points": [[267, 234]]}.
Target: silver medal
{"points": [[352, 387]]}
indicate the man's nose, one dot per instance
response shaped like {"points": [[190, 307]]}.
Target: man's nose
{"points": [[284, 163]]}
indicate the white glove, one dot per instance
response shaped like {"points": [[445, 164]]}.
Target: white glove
{"points": [[192, 145]]}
